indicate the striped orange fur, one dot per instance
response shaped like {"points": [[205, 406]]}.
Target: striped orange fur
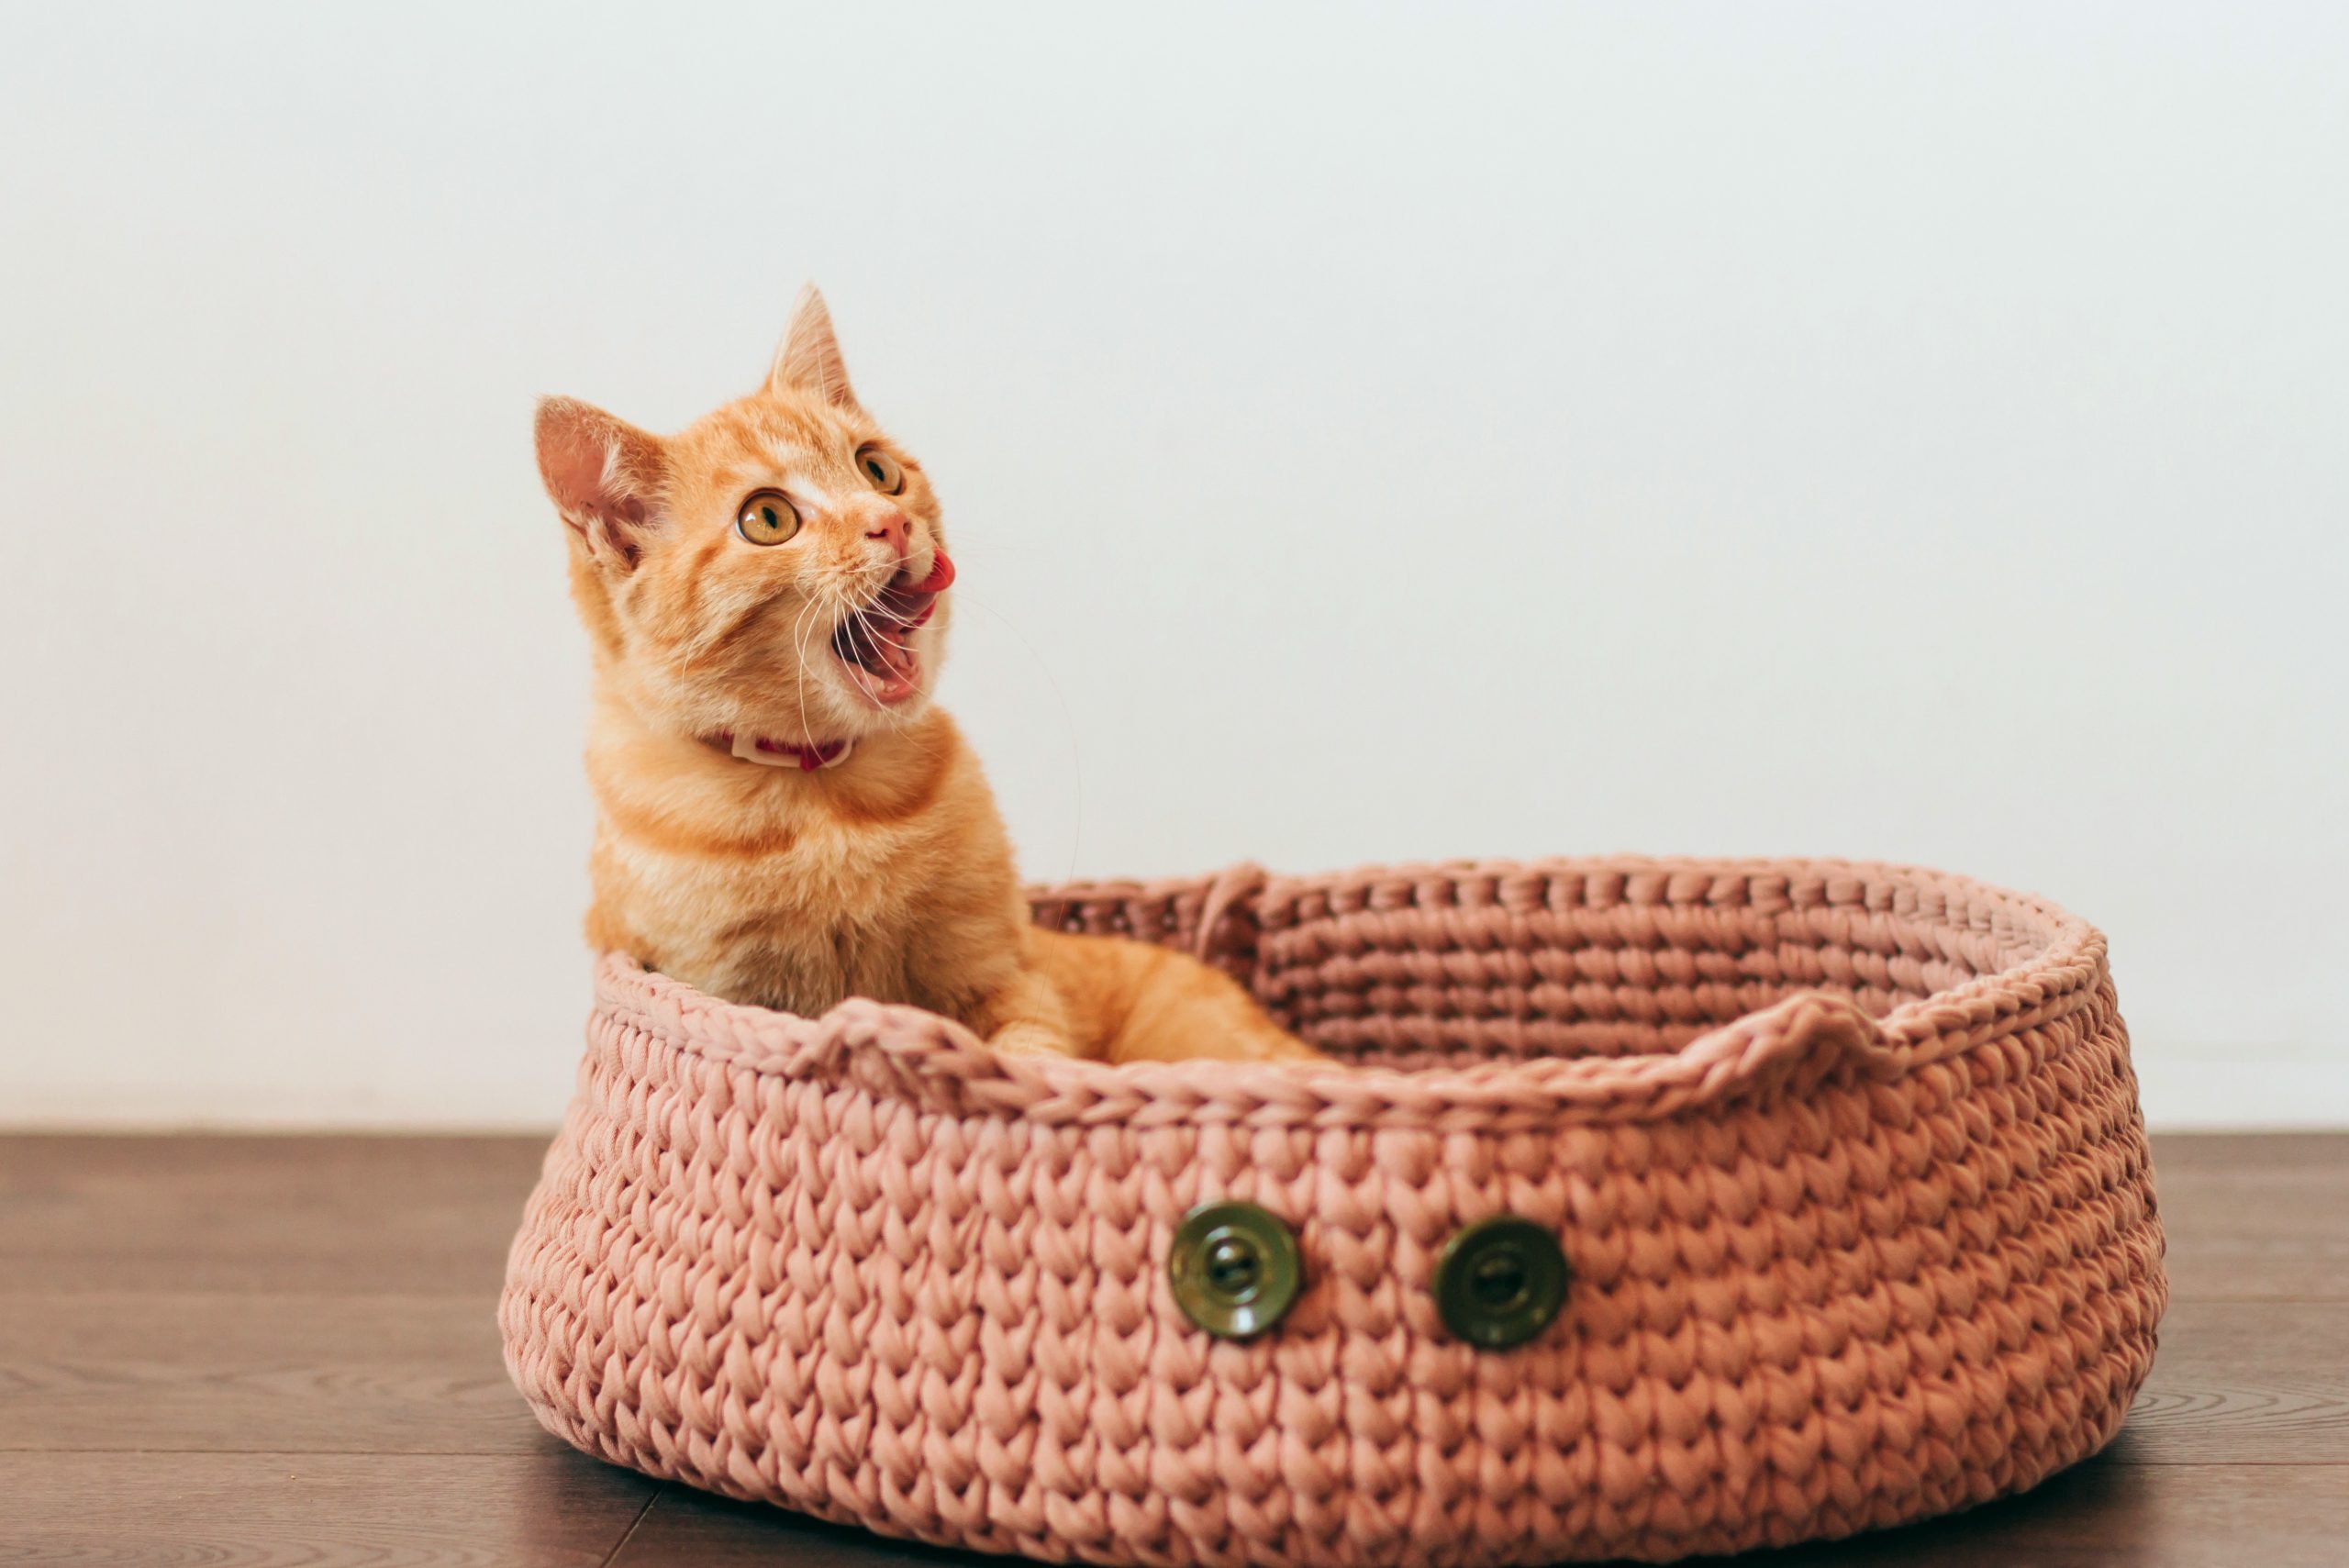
{"points": [[887, 874]]}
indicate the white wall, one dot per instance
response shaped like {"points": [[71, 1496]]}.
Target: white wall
{"points": [[1367, 434]]}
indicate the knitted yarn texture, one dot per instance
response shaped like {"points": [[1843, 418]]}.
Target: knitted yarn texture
{"points": [[1845, 1160]]}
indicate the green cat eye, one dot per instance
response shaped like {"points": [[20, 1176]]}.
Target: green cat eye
{"points": [[766, 518], [882, 470]]}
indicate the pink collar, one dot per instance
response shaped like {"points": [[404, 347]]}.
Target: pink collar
{"points": [[782, 754]]}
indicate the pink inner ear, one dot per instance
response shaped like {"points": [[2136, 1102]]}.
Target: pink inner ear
{"points": [[602, 472], [573, 470]]}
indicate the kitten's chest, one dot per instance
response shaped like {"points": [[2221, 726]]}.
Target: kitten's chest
{"points": [[829, 878], [811, 875], [764, 888], [796, 917]]}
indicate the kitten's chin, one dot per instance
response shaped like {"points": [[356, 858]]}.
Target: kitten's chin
{"points": [[898, 719]]}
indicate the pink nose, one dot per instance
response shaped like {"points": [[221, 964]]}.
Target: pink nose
{"points": [[891, 528]]}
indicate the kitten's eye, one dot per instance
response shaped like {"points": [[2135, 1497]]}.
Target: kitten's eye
{"points": [[882, 470], [766, 519]]}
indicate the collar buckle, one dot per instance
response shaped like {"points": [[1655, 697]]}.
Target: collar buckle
{"points": [[781, 754]]}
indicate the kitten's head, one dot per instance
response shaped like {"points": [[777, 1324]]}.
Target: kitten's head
{"points": [[774, 569]]}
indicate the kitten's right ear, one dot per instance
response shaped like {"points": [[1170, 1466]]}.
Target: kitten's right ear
{"points": [[604, 476], [808, 358]]}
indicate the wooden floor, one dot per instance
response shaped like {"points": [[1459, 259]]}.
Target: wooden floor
{"points": [[228, 1351]]}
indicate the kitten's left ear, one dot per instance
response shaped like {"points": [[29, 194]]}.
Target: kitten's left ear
{"points": [[604, 476], [809, 357]]}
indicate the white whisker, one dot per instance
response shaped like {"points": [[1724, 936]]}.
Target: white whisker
{"points": [[799, 665]]}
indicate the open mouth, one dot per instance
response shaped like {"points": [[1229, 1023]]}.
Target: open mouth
{"points": [[876, 642]]}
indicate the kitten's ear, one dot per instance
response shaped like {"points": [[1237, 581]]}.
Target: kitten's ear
{"points": [[809, 357], [605, 474]]}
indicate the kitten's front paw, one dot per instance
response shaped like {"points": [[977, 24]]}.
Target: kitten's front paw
{"points": [[1031, 1040]]}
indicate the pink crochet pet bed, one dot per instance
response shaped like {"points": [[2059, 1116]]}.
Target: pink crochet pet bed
{"points": [[1832, 1210]]}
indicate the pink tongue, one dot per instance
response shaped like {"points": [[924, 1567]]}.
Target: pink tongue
{"points": [[941, 578]]}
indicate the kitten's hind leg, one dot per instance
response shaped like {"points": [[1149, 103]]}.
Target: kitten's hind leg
{"points": [[1027, 1016], [1130, 1001]]}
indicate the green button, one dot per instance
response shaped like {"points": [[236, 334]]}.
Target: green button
{"points": [[1234, 1268], [1499, 1282]]}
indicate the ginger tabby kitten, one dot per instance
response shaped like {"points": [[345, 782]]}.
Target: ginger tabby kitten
{"points": [[781, 816]]}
